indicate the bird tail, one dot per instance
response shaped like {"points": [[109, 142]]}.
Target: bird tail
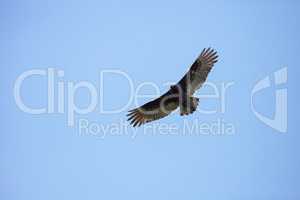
{"points": [[188, 105]]}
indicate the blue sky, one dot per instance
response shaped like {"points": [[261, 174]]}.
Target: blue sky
{"points": [[41, 157]]}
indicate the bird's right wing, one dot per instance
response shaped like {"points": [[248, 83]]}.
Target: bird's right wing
{"points": [[154, 110], [199, 71]]}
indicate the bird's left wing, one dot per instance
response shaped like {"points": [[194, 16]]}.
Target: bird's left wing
{"points": [[154, 110]]}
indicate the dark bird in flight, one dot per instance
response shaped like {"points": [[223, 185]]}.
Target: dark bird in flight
{"points": [[179, 95]]}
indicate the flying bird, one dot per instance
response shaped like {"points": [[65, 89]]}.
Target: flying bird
{"points": [[179, 95]]}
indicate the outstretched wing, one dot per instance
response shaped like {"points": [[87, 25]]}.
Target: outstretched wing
{"points": [[199, 71], [154, 110]]}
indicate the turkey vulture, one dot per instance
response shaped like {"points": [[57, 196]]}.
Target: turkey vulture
{"points": [[179, 95]]}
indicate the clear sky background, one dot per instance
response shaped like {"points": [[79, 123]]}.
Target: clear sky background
{"points": [[42, 158]]}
